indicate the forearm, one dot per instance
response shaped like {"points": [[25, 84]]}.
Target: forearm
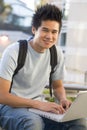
{"points": [[15, 101], [59, 90], [60, 93]]}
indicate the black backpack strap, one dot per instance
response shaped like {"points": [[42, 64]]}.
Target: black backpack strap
{"points": [[23, 45], [53, 63]]}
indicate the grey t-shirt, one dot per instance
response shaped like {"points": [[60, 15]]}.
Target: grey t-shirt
{"points": [[33, 77]]}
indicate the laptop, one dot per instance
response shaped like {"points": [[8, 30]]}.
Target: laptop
{"points": [[77, 110]]}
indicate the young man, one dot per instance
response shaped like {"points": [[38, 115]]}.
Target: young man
{"points": [[30, 81]]}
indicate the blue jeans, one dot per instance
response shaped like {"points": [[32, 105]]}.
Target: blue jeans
{"points": [[22, 119]]}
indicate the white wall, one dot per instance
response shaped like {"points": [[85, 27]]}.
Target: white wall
{"points": [[76, 55]]}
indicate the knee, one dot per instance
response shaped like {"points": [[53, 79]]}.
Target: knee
{"points": [[34, 123]]}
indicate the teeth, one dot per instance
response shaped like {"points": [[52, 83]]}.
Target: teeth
{"points": [[47, 41]]}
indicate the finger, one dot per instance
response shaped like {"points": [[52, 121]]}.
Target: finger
{"points": [[55, 111], [60, 109]]}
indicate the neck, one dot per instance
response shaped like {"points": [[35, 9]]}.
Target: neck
{"points": [[36, 48]]}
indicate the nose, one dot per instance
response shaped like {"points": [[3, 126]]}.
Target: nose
{"points": [[49, 35]]}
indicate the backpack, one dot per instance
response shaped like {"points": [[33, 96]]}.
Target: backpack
{"points": [[23, 45]]}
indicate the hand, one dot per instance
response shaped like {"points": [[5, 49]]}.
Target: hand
{"points": [[51, 107], [65, 103]]}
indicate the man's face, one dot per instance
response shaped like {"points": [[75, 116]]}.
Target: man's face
{"points": [[46, 35]]}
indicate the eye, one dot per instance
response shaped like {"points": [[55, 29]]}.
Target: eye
{"points": [[55, 32], [45, 30]]}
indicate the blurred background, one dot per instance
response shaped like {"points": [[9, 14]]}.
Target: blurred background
{"points": [[15, 24]]}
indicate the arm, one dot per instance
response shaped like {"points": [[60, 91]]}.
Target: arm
{"points": [[10, 99], [16, 101], [60, 93]]}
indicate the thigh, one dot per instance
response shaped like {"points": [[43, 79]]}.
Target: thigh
{"points": [[51, 125], [79, 124], [20, 119]]}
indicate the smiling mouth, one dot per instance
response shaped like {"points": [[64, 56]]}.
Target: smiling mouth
{"points": [[47, 42]]}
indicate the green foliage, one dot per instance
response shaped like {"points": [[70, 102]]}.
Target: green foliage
{"points": [[52, 99], [46, 91], [71, 98]]}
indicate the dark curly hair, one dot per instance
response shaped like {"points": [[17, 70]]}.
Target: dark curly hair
{"points": [[47, 12]]}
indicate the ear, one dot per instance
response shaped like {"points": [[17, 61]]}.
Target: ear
{"points": [[33, 30]]}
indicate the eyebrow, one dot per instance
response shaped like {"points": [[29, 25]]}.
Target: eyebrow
{"points": [[45, 28]]}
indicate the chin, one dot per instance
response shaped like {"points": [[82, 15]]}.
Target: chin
{"points": [[47, 47]]}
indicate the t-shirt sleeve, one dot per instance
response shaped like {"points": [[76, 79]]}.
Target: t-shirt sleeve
{"points": [[59, 69], [8, 62]]}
